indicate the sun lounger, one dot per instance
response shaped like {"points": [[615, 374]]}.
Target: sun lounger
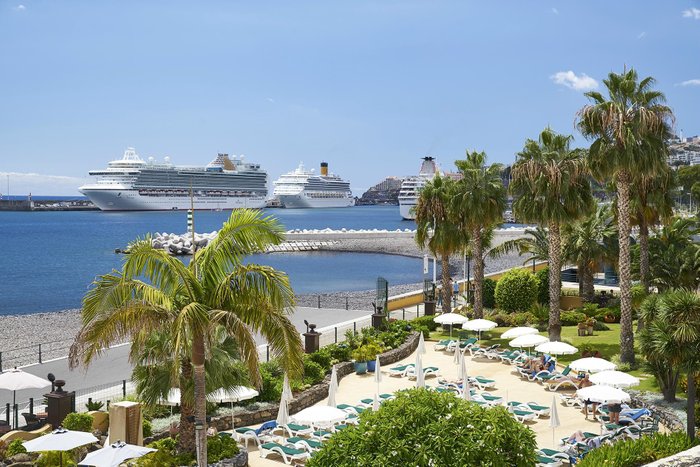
{"points": [[546, 376], [561, 383], [427, 371], [293, 429], [444, 344], [258, 435], [351, 409], [489, 352], [400, 370], [321, 434], [540, 410], [522, 415], [305, 443], [545, 461], [481, 382], [463, 344], [553, 453], [287, 453]]}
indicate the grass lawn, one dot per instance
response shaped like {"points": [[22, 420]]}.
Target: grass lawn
{"points": [[606, 342]]}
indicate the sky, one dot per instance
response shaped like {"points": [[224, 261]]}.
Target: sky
{"points": [[368, 86]]}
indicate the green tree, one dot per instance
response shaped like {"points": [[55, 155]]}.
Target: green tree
{"points": [[155, 292], [437, 229], [628, 129], [550, 186], [587, 242], [674, 340], [516, 290], [479, 202], [412, 430], [534, 243], [674, 257]]}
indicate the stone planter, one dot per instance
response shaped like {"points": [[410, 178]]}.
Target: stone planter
{"points": [[371, 366], [360, 367]]}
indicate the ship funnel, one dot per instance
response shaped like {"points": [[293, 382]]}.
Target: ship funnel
{"points": [[324, 168]]}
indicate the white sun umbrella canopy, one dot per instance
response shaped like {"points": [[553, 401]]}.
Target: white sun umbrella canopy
{"points": [[519, 331], [60, 440], [466, 390], [553, 419], [462, 368], [603, 394], [616, 379], [528, 341], [283, 412], [420, 376], [15, 380], [332, 387], [457, 355], [378, 380], [115, 454], [556, 348], [592, 365], [479, 325], [319, 416], [235, 394], [421, 344]]}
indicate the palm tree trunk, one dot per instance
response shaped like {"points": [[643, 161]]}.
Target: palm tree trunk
{"points": [[588, 283], [644, 254], [691, 405], [554, 254], [579, 268], [446, 286], [200, 400], [186, 442], [623, 222], [478, 273]]}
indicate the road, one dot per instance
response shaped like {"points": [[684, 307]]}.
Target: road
{"points": [[113, 366]]}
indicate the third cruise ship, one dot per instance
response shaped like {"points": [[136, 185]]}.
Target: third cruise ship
{"points": [[302, 188], [410, 188]]}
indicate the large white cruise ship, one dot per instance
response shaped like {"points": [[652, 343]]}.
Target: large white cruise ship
{"points": [[132, 184], [408, 196], [302, 188]]}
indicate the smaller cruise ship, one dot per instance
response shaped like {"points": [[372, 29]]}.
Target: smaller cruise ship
{"points": [[303, 188], [410, 188]]}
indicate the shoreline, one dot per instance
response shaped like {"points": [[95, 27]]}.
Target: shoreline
{"points": [[55, 330]]}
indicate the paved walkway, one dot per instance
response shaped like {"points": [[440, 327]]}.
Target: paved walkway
{"points": [[353, 388], [113, 366]]}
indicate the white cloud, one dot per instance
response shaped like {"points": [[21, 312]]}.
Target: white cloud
{"points": [[571, 80], [40, 184], [692, 13], [20, 7], [555, 11], [642, 35], [270, 100], [691, 82]]}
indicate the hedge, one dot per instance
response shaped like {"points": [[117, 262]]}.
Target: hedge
{"points": [[516, 290]]}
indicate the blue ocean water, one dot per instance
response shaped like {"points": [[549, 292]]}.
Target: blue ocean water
{"points": [[49, 259]]}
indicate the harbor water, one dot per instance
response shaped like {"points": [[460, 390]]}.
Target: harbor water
{"points": [[51, 258]]}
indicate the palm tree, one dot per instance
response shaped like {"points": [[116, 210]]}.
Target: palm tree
{"points": [[674, 257], [628, 129], [535, 243], [215, 291], [678, 346], [437, 229], [587, 243], [479, 203], [155, 370], [551, 188]]}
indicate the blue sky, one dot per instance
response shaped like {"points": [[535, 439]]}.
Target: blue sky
{"points": [[369, 87]]}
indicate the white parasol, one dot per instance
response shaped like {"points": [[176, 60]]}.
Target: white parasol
{"points": [[603, 394], [333, 387], [616, 379], [556, 348], [528, 341], [592, 365], [519, 331], [115, 454]]}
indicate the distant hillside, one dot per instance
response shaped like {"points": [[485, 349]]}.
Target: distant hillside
{"points": [[384, 192]]}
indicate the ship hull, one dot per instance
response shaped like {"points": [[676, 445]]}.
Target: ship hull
{"points": [[132, 200], [406, 210], [302, 201]]}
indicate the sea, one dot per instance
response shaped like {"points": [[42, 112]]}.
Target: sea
{"points": [[50, 259]]}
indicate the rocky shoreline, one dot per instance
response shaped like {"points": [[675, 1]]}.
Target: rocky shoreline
{"points": [[55, 330]]}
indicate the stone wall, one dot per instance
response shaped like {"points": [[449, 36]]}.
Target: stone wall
{"points": [[305, 398], [666, 416], [689, 458]]}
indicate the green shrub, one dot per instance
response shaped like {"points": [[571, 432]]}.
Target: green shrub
{"points": [[313, 372], [94, 405], [78, 422], [339, 352], [426, 321], [521, 319], [501, 318], [571, 318], [590, 309], [271, 375], [147, 428], [410, 430], [683, 382], [488, 294], [542, 276], [220, 447], [323, 357], [540, 312], [631, 453], [600, 326], [166, 455], [516, 290], [54, 458], [624, 366], [15, 447]]}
